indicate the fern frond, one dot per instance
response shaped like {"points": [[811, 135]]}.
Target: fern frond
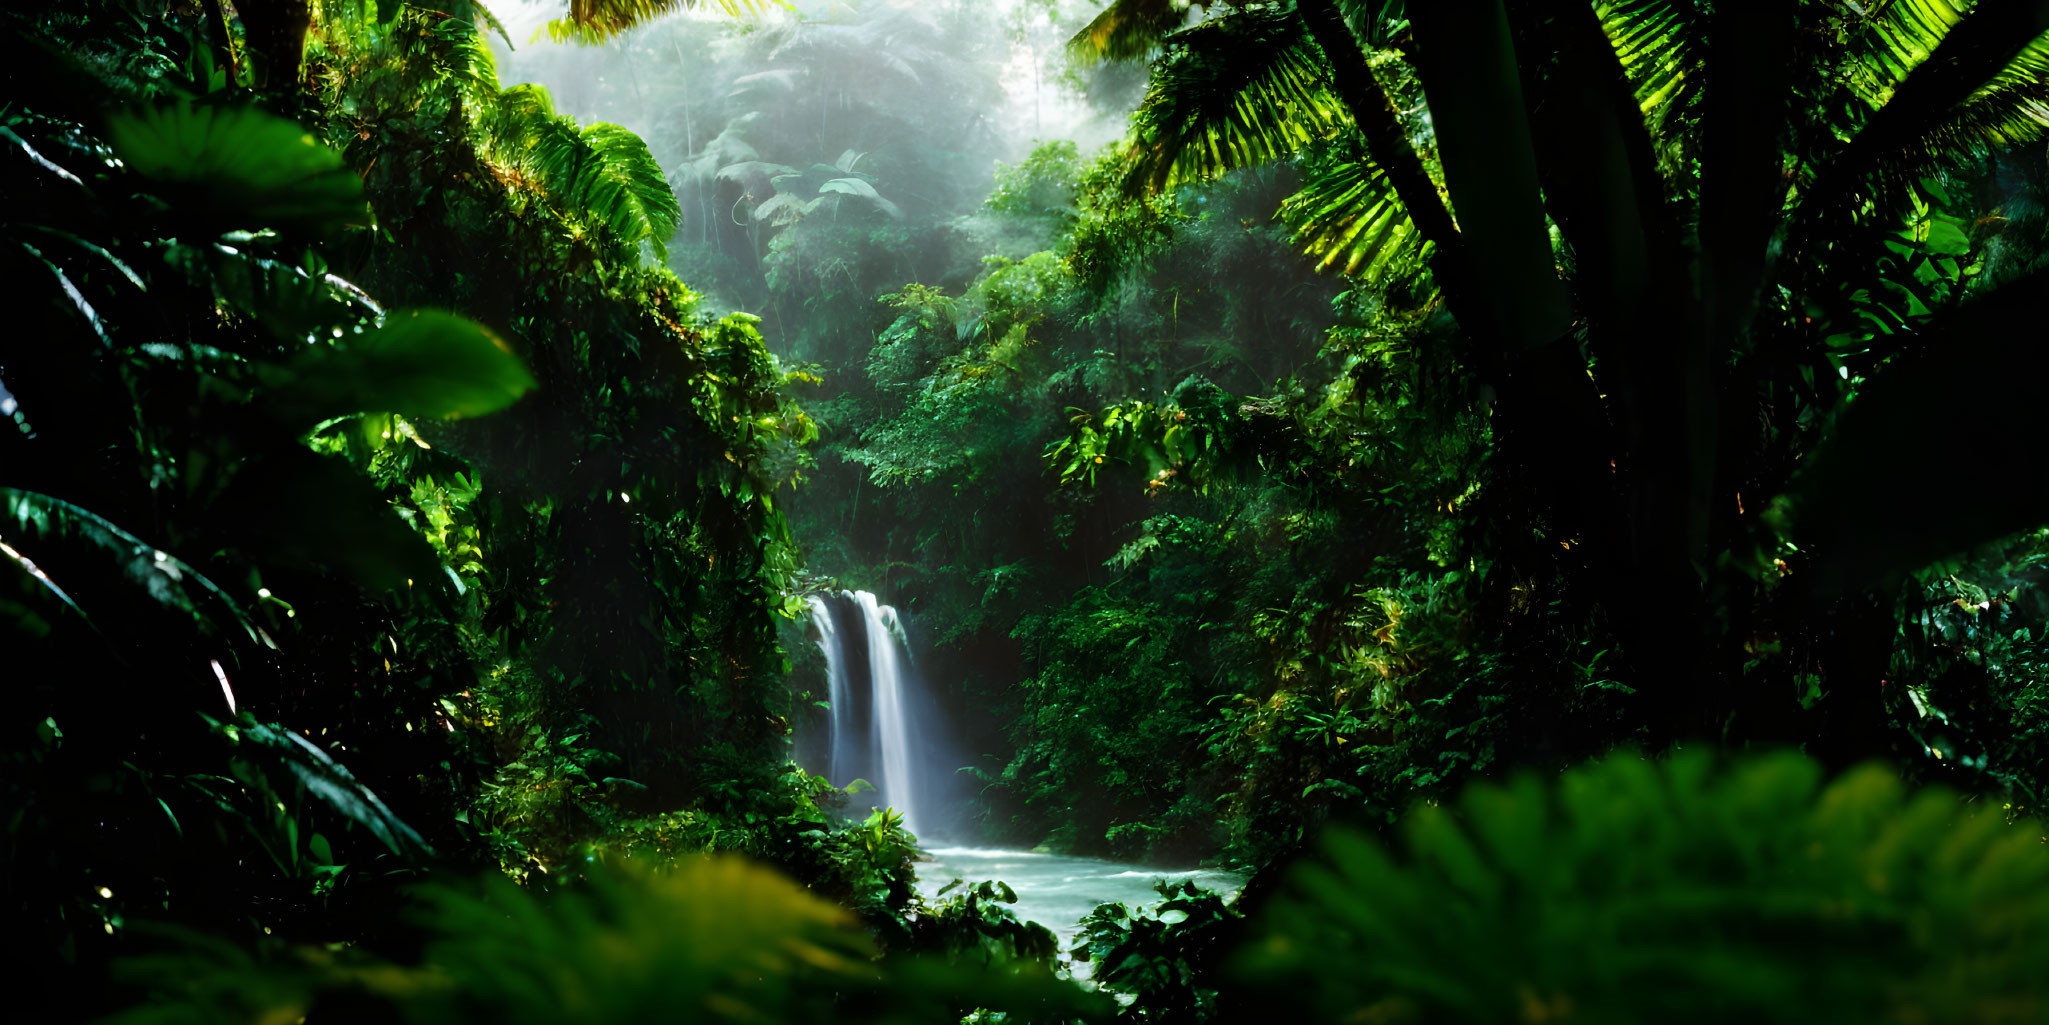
{"points": [[1754, 890], [626, 189], [601, 173], [1348, 218], [1247, 88]]}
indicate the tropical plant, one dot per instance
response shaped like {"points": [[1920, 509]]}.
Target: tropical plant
{"points": [[718, 939], [1164, 956], [273, 498], [1784, 200], [1681, 890]]}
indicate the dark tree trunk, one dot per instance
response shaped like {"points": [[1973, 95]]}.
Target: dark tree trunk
{"points": [[276, 34]]}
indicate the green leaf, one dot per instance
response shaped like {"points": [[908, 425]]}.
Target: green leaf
{"points": [[237, 168], [1947, 238], [303, 509], [331, 782], [1939, 453], [418, 363]]}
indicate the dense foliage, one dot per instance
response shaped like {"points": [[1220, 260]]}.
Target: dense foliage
{"points": [[1274, 420]]}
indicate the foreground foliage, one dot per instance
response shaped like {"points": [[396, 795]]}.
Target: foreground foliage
{"points": [[711, 940], [1674, 891], [1625, 890]]}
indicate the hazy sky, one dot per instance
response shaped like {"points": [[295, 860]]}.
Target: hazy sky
{"points": [[1046, 110]]}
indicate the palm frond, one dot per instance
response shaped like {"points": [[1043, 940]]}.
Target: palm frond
{"points": [[1980, 85], [1888, 41], [1129, 29], [2012, 108], [1348, 218], [1661, 46], [593, 22], [1247, 88]]}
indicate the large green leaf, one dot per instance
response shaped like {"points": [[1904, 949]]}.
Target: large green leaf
{"points": [[239, 167], [421, 363], [331, 782], [43, 536], [298, 508], [1940, 452]]}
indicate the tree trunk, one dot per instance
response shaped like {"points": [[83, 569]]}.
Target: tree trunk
{"points": [[276, 33]]}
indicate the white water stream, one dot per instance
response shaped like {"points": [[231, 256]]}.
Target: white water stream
{"points": [[876, 736], [891, 704], [1054, 890]]}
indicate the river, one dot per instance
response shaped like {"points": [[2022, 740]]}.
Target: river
{"points": [[1054, 890]]}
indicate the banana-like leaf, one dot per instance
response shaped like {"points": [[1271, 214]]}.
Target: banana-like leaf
{"points": [[784, 80], [237, 168], [758, 176], [296, 507], [783, 208], [1959, 408], [331, 782], [35, 523], [861, 189], [418, 363], [1243, 89]]}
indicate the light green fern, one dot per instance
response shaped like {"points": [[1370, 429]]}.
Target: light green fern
{"points": [[1631, 891]]}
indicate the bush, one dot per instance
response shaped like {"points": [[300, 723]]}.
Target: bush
{"points": [[1675, 891]]}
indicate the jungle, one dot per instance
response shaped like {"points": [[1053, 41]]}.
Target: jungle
{"points": [[1025, 511]]}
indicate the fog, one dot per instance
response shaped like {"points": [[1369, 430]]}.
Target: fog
{"points": [[749, 114]]}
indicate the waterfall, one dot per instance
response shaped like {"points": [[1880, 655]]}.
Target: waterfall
{"points": [[872, 713], [836, 676]]}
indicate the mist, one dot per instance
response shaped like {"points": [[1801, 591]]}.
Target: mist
{"points": [[910, 106]]}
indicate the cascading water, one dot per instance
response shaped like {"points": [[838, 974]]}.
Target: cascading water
{"points": [[872, 711], [892, 717], [836, 677], [886, 730]]}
